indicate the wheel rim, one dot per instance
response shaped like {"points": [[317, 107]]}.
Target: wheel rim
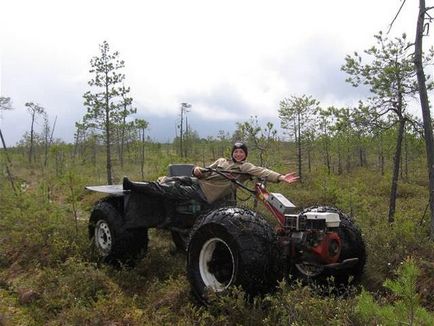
{"points": [[216, 264], [103, 237]]}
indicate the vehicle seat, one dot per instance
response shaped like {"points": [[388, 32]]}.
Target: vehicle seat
{"points": [[178, 170]]}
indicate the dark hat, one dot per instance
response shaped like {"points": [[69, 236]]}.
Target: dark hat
{"points": [[239, 145]]}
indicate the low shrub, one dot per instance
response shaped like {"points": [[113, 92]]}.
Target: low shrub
{"points": [[405, 308]]}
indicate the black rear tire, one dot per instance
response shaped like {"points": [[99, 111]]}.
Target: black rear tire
{"points": [[352, 246], [111, 242], [231, 246]]}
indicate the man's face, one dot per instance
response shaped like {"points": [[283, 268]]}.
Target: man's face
{"points": [[239, 155]]}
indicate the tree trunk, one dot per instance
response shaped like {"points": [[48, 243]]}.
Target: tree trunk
{"points": [[94, 153], [339, 162], [348, 158], [406, 158], [401, 162], [380, 155], [309, 163], [396, 161], [327, 156], [424, 102], [365, 158], [348, 161], [31, 139], [77, 137], [299, 155], [142, 159], [46, 151], [107, 130], [49, 141], [298, 133], [121, 156], [8, 161], [360, 155], [186, 137], [181, 131], [382, 163]]}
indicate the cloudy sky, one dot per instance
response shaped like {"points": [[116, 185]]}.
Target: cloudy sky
{"points": [[230, 59]]}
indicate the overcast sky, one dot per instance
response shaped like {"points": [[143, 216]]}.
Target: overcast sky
{"points": [[229, 59]]}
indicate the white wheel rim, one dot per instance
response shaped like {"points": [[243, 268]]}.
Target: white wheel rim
{"points": [[103, 237], [206, 256]]}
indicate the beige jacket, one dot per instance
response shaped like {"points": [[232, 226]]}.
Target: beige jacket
{"points": [[215, 186]]}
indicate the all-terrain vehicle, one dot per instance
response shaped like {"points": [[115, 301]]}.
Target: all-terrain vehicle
{"points": [[229, 245]]}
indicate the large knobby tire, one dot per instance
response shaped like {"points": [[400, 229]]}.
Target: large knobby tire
{"points": [[110, 241], [352, 246], [231, 246]]}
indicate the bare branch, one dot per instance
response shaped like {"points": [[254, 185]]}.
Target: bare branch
{"points": [[52, 130], [417, 126], [396, 16]]}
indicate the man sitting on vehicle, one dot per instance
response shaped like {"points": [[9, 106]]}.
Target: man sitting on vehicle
{"points": [[209, 186]]}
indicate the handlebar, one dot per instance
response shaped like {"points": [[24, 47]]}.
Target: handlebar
{"points": [[224, 173]]}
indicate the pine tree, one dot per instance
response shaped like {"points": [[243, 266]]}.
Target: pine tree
{"points": [[102, 109]]}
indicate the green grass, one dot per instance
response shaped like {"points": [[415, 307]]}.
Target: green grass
{"points": [[44, 248]]}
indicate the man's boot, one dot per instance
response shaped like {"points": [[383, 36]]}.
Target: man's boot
{"points": [[143, 187]]}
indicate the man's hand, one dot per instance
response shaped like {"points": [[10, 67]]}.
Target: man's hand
{"points": [[197, 171], [289, 178]]}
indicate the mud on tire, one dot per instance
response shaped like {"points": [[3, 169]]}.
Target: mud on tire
{"points": [[352, 246], [231, 246], [111, 242]]}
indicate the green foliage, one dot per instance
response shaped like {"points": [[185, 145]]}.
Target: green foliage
{"points": [[296, 117], [289, 305], [406, 307], [71, 283], [38, 232], [390, 76], [258, 138], [108, 102], [44, 243]]}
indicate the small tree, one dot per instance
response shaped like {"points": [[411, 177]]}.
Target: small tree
{"points": [[34, 110], [5, 104], [142, 125], [47, 134], [343, 136], [79, 136], [391, 78], [295, 114], [126, 110], [102, 110], [183, 116], [259, 138], [325, 123], [224, 142]]}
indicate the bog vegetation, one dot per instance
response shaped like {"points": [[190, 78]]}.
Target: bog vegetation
{"points": [[369, 161], [47, 275]]}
